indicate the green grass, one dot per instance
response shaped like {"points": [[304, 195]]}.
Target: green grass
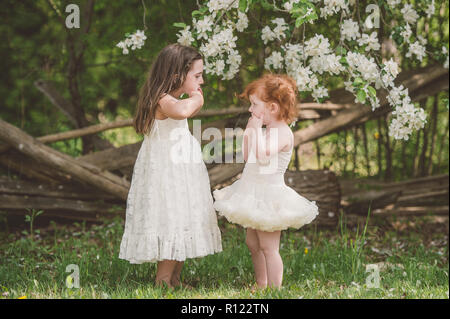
{"points": [[333, 266]]}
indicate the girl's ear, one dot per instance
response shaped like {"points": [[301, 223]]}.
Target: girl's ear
{"points": [[274, 108]]}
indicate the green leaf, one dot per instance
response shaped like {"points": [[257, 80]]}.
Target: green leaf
{"points": [[299, 22], [242, 5], [343, 61], [361, 96], [180, 25], [341, 50], [358, 81], [266, 5], [196, 13], [372, 91]]}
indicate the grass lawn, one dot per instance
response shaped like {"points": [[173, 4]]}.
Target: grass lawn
{"points": [[410, 258]]}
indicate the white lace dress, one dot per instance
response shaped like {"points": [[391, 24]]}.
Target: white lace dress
{"points": [[260, 199], [170, 213]]}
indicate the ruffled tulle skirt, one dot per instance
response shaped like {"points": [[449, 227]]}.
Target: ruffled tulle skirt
{"points": [[170, 213], [265, 203]]}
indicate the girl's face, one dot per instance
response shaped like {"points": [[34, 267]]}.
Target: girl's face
{"points": [[194, 78], [258, 108]]}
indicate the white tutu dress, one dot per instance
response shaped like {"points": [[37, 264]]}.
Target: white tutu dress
{"points": [[170, 213], [260, 199]]}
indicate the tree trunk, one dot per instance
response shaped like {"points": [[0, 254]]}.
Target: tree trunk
{"points": [[388, 151], [442, 145], [317, 146], [366, 149], [434, 119], [297, 158], [423, 153], [416, 152], [355, 150], [345, 152], [379, 150]]}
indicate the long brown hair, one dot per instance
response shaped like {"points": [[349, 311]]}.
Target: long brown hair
{"points": [[166, 74]]}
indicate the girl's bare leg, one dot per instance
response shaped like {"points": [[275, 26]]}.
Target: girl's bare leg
{"points": [[258, 259], [164, 272], [175, 279], [269, 243]]}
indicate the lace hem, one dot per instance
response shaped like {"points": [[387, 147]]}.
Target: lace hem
{"points": [[138, 249]]}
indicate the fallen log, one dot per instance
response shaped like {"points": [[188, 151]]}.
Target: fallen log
{"points": [[26, 168], [412, 211], [27, 188], [320, 186], [56, 204], [65, 214], [82, 172], [433, 198], [353, 185], [223, 172], [361, 203]]}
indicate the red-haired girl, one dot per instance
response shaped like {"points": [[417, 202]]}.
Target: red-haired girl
{"points": [[260, 200]]}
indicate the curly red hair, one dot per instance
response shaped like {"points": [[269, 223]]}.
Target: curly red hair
{"points": [[278, 88]]}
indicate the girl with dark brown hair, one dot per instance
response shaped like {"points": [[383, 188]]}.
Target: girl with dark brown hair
{"points": [[170, 214]]}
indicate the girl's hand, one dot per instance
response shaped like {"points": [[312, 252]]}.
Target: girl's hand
{"points": [[198, 95], [255, 122]]}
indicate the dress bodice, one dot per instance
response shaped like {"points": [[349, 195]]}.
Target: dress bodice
{"points": [[162, 129], [271, 170]]}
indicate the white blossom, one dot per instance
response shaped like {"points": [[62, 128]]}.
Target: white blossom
{"points": [[219, 66], [317, 45], [216, 5], [350, 30], [391, 67], [280, 28], [185, 36], [393, 3], [409, 14], [123, 46], [302, 77], [267, 34], [332, 7], [326, 63], [133, 41], [288, 5], [431, 9], [445, 52], [203, 26], [371, 41], [319, 92], [242, 22], [275, 60], [406, 33], [137, 39], [417, 49]]}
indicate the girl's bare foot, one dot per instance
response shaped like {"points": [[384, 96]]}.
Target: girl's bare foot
{"points": [[177, 284], [164, 284], [255, 287]]}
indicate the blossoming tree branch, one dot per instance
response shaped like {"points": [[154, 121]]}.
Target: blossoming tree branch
{"points": [[351, 52]]}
